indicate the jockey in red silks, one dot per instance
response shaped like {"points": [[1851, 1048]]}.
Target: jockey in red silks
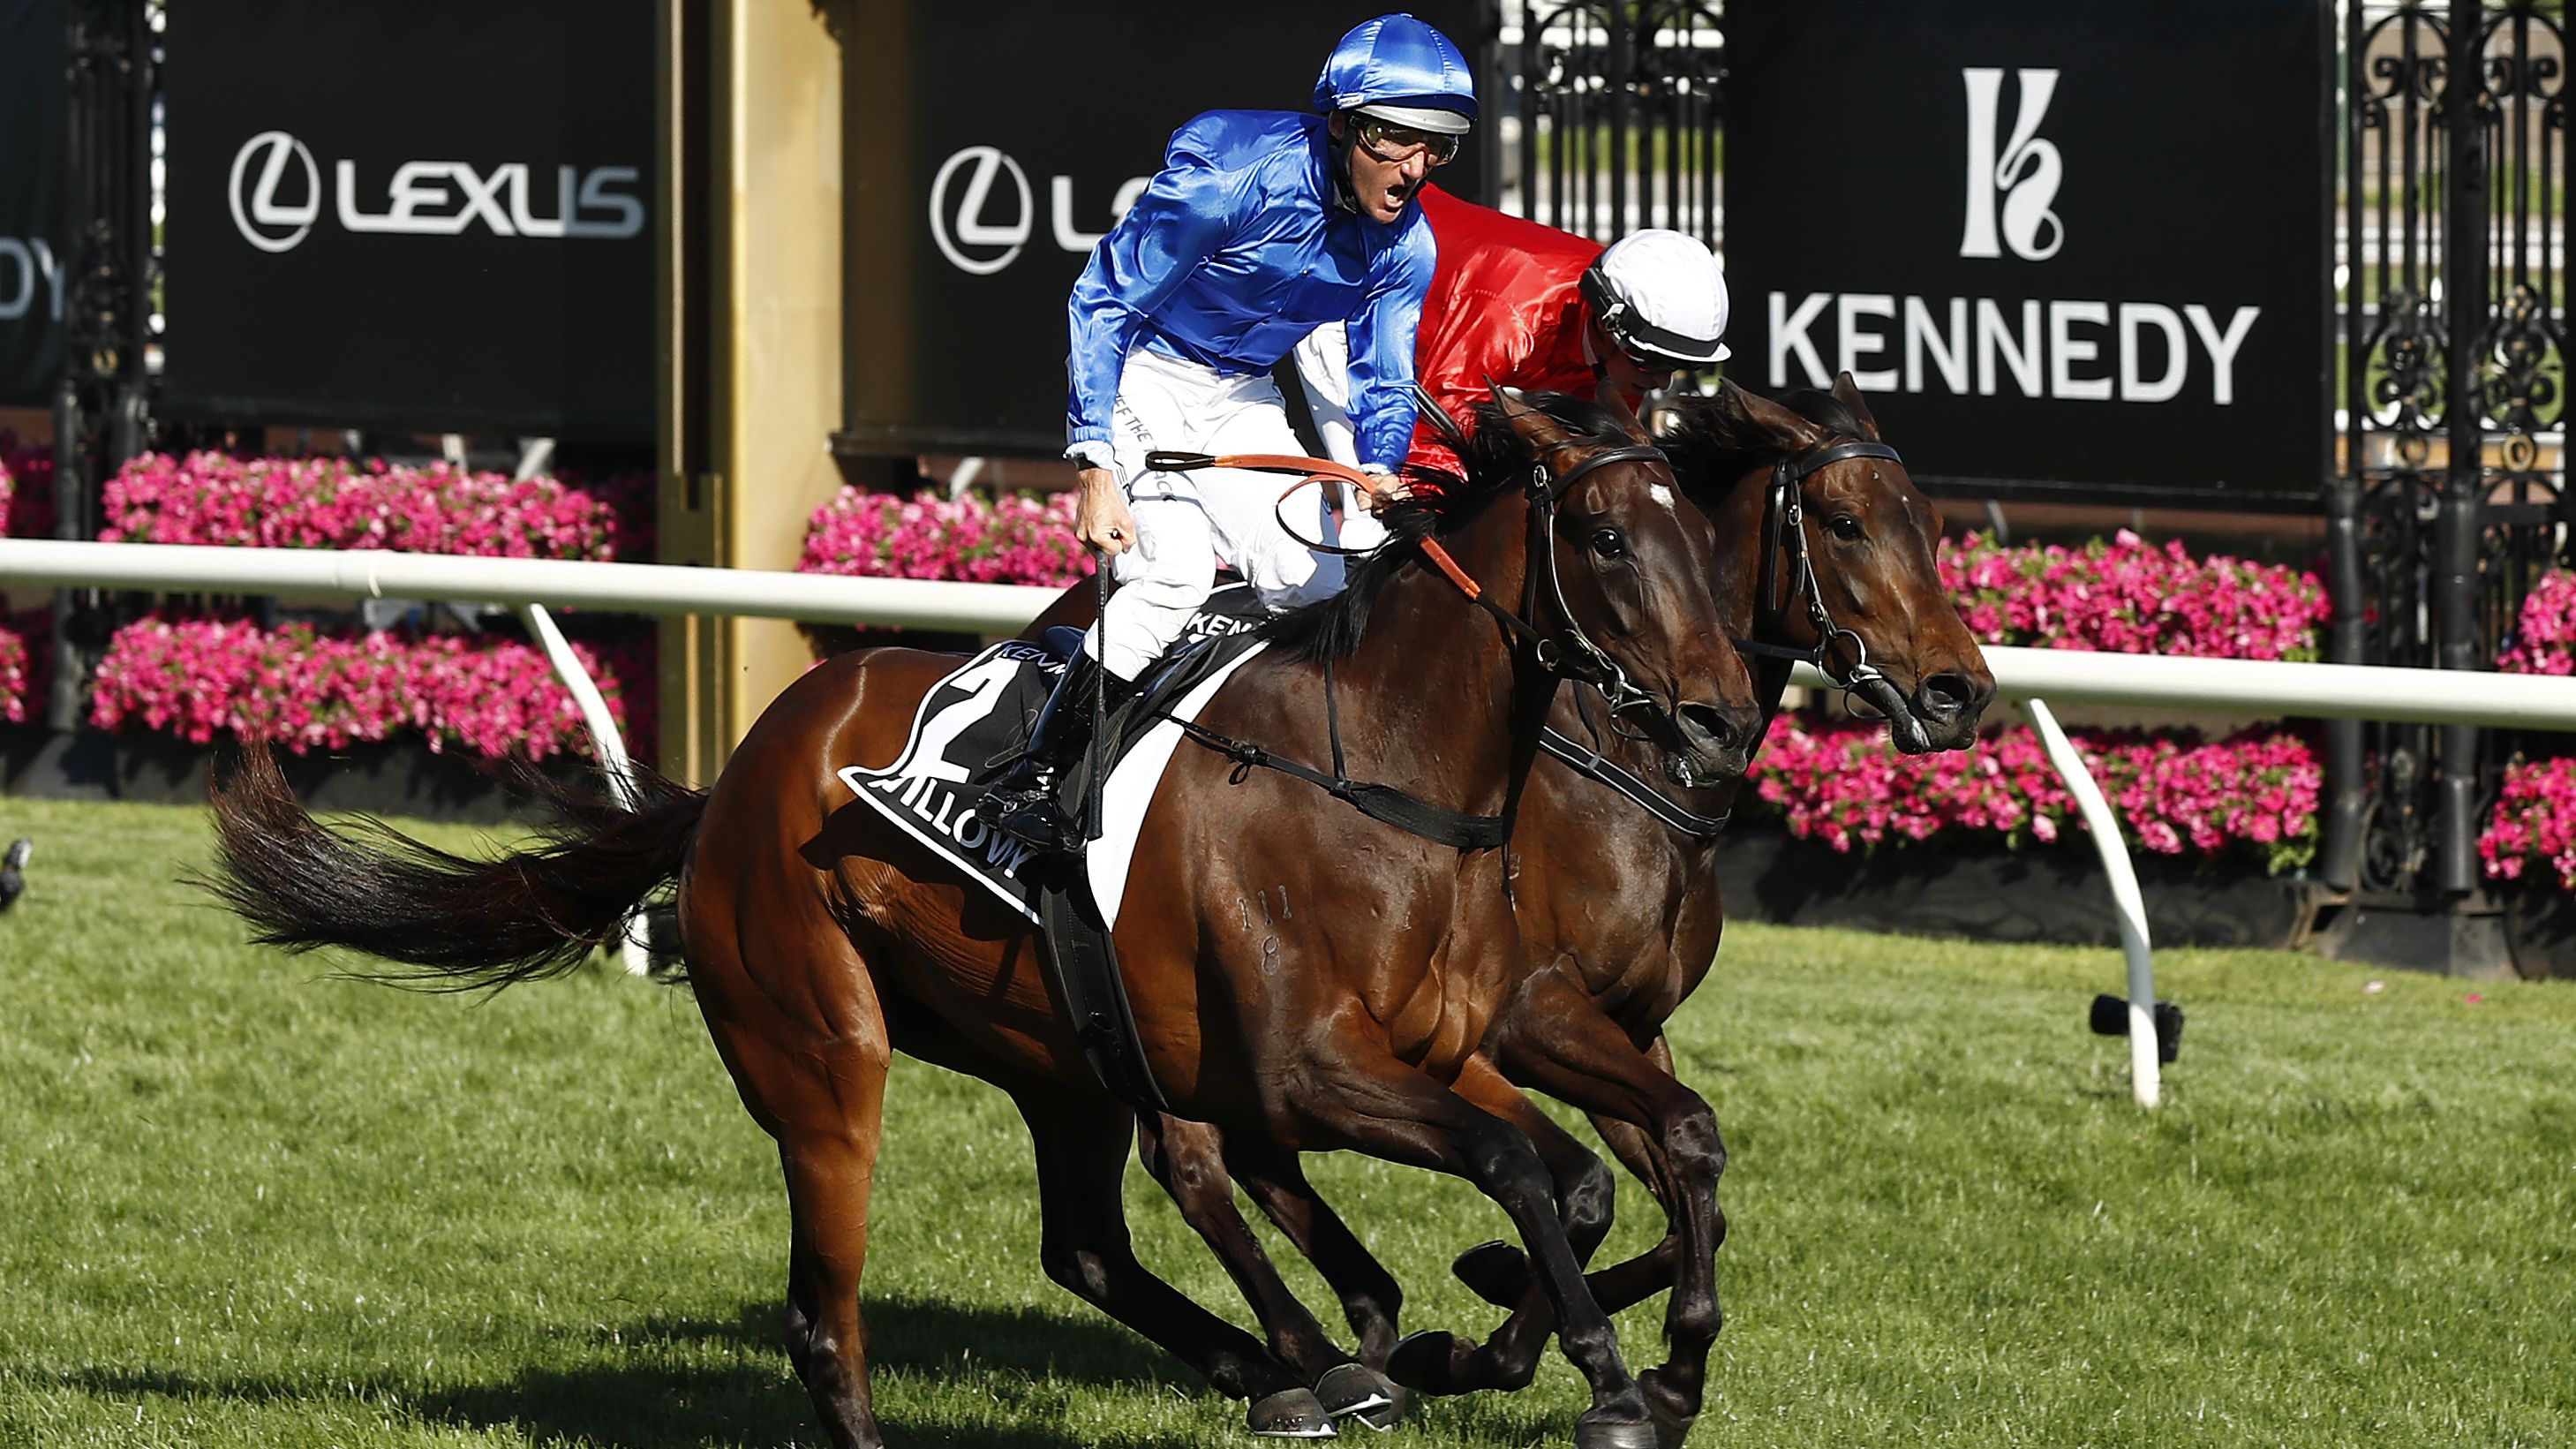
{"points": [[1529, 306]]}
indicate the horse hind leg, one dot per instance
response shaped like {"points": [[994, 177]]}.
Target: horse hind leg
{"points": [[822, 1097]]}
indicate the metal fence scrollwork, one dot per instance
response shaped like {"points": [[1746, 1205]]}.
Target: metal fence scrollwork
{"points": [[1618, 124], [2451, 500]]}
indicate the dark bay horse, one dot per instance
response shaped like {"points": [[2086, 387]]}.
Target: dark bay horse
{"points": [[820, 940], [1618, 937]]}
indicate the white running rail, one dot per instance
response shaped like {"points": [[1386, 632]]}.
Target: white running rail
{"points": [[2227, 685]]}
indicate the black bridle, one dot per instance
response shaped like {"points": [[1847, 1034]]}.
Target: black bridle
{"points": [[1570, 653], [1784, 525]]}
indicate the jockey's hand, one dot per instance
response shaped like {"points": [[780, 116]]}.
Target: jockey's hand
{"points": [[1100, 517], [1391, 490]]}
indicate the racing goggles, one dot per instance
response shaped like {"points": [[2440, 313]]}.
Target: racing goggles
{"points": [[1395, 145]]}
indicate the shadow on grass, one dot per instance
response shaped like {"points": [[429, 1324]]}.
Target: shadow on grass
{"points": [[921, 1335], [662, 1405]]}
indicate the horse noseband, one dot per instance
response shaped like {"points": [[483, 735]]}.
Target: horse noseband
{"points": [[1571, 653], [1784, 525]]}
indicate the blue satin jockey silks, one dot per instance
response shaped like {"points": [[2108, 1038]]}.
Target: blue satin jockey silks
{"points": [[1236, 250]]}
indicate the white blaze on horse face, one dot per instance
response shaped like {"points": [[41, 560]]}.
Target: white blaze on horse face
{"points": [[1660, 494]]}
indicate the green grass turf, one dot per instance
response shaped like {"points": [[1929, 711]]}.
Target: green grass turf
{"points": [[242, 1203]]}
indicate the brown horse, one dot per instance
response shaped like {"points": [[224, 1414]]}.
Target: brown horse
{"points": [[820, 940], [1618, 937]]}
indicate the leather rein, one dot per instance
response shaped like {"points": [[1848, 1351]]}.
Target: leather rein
{"points": [[1570, 654]]}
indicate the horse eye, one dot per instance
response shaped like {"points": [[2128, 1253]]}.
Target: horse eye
{"points": [[1844, 526], [1609, 542]]}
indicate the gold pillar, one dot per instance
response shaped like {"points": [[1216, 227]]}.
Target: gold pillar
{"points": [[750, 240]]}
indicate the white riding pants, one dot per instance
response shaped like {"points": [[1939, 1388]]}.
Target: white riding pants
{"points": [[1189, 523], [1324, 367]]}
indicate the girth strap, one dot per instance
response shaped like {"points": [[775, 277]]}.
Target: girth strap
{"points": [[1593, 766]]}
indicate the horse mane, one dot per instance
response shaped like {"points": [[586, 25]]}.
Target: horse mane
{"points": [[1496, 458], [1715, 441]]}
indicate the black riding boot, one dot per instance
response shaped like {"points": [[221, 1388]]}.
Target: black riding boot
{"points": [[1021, 803]]}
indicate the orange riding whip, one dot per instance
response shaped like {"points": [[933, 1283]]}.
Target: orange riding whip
{"points": [[1316, 471]]}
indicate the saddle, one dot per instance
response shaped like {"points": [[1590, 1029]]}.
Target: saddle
{"points": [[986, 709]]}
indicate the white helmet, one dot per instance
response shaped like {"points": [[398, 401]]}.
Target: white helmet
{"points": [[1661, 296]]}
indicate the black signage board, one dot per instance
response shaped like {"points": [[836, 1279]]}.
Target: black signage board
{"points": [[31, 200], [423, 216], [989, 147], [2067, 249]]}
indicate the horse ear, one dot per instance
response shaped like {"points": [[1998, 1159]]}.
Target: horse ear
{"points": [[1624, 415], [1790, 432], [1847, 392], [1534, 427]]}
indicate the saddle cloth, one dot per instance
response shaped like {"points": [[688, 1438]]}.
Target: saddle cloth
{"points": [[985, 710]]}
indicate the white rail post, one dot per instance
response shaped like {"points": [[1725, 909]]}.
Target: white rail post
{"points": [[606, 745], [2129, 906]]}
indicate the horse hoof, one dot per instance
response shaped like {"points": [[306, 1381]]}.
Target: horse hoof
{"points": [[1664, 1407], [1590, 1433], [1352, 1390], [1398, 1404], [1289, 1414], [1428, 1361], [1496, 1272]]}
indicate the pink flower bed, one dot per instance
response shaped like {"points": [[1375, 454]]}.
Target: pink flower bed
{"points": [[2175, 792], [198, 678], [1014, 540], [2544, 629], [211, 498], [2535, 824], [2129, 597], [26, 487], [17, 681]]}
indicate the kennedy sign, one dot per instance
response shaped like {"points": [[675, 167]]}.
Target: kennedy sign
{"points": [[2062, 246], [968, 220], [31, 199], [439, 224]]}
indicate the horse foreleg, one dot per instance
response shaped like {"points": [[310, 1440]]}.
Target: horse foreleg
{"points": [[1189, 1160], [1276, 1181], [1360, 1093], [1558, 1041], [1444, 1363], [1081, 1144]]}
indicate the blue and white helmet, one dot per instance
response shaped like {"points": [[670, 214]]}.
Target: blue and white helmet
{"points": [[1401, 70]]}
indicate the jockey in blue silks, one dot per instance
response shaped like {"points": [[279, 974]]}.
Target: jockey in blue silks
{"points": [[1260, 226]]}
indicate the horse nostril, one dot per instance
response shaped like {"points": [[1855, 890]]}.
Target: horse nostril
{"points": [[1711, 723], [1946, 695]]}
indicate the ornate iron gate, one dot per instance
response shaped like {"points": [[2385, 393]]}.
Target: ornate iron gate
{"points": [[1617, 115], [2451, 498]]}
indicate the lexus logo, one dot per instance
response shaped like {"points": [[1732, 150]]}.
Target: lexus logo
{"points": [[982, 226], [266, 222], [277, 198], [2024, 175], [964, 222]]}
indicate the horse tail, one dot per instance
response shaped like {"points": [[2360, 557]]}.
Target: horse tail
{"points": [[457, 922]]}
